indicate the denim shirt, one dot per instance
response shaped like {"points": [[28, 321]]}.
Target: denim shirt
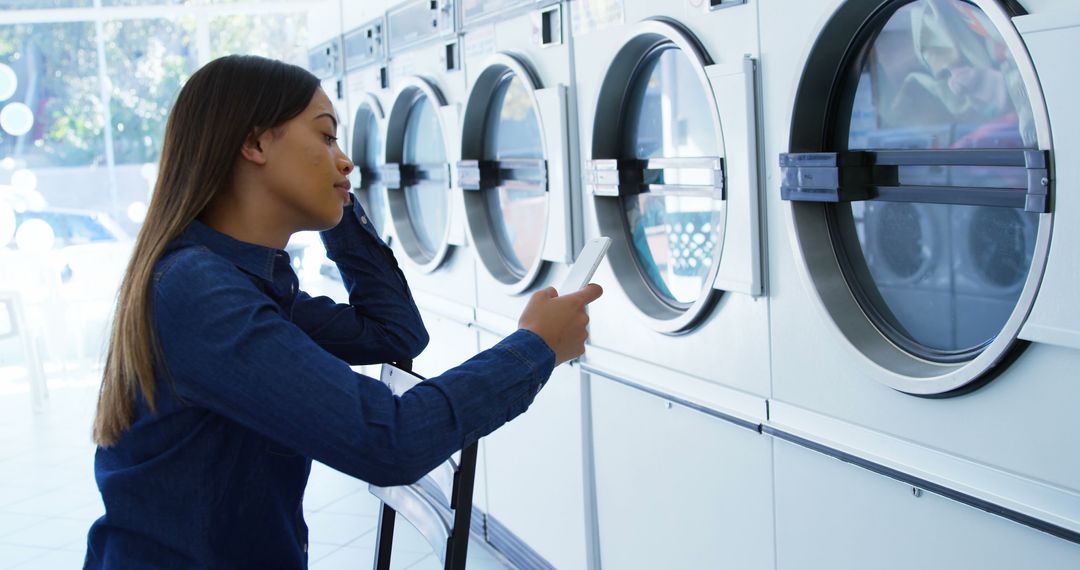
{"points": [[255, 382]]}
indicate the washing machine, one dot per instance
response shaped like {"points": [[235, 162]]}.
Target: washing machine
{"points": [[677, 362], [519, 179], [918, 210], [423, 198], [367, 93], [307, 254]]}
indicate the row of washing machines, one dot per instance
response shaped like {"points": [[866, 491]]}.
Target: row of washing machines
{"points": [[839, 328]]}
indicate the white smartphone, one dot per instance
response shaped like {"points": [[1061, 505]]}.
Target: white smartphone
{"points": [[585, 265], [397, 379]]}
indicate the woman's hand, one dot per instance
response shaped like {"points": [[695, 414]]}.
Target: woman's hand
{"points": [[560, 319]]}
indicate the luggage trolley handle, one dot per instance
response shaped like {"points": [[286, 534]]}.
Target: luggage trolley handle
{"points": [[461, 497], [457, 545]]}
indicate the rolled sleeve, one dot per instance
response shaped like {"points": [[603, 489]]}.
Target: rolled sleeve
{"points": [[481, 383], [228, 347], [381, 322]]}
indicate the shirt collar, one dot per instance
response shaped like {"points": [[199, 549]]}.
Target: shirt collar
{"points": [[255, 259]]}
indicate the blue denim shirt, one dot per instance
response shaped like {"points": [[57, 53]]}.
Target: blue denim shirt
{"points": [[255, 383]]}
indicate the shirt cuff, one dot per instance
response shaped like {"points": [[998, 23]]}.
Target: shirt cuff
{"points": [[354, 230], [533, 352]]}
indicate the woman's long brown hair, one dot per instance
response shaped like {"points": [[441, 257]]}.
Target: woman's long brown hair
{"points": [[220, 106]]}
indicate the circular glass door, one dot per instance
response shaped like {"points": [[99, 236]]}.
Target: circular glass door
{"points": [[417, 174], [367, 156], [672, 232], [425, 196], [657, 139], [935, 117], [504, 174]]}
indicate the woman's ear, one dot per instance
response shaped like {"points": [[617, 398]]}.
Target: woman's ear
{"points": [[254, 146]]}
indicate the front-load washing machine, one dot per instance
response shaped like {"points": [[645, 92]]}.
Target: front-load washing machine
{"points": [[518, 173], [424, 201], [367, 94], [306, 251], [914, 196], [678, 357]]}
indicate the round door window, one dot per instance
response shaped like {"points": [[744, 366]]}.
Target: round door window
{"points": [[426, 197], [674, 234], [517, 209], [942, 182], [368, 159], [656, 175], [937, 76], [417, 175], [503, 172]]}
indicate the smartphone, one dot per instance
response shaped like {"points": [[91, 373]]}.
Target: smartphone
{"points": [[399, 380], [587, 262]]}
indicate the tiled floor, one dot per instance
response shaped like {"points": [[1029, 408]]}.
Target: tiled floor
{"points": [[48, 499]]}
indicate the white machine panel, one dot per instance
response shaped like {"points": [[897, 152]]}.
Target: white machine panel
{"points": [[677, 488], [535, 477], [830, 514], [1052, 38], [552, 107], [735, 88]]}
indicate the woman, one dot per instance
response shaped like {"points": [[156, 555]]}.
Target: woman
{"points": [[223, 381]]}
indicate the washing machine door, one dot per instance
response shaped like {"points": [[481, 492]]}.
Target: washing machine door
{"points": [[932, 165], [657, 175], [368, 160], [417, 174], [504, 172]]}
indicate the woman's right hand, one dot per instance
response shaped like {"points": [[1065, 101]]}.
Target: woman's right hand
{"points": [[560, 319]]}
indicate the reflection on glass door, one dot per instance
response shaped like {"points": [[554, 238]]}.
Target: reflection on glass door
{"points": [[426, 198], [517, 209], [674, 233], [939, 278]]}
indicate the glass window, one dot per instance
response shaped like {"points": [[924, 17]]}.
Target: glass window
{"points": [[427, 199], [941, 280], [43, 4], [162, 2], [148, 62], [368, 158], [279, 36], [56, 67], [71, 228], [674, 235], [517, 212], [143, 2], [7, 318]]}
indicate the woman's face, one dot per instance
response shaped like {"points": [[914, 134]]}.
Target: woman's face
{"points": [[308, 171]]}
